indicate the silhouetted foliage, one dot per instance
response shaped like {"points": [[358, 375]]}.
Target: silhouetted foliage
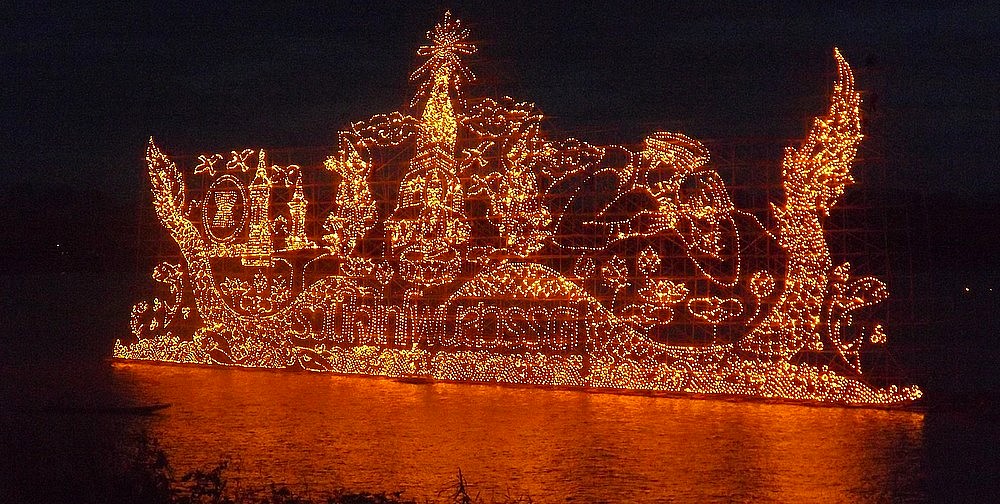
{"points": [[147, 477]]}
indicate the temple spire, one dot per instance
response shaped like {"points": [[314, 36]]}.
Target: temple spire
{"points": [[442, 71], [438, 124]]}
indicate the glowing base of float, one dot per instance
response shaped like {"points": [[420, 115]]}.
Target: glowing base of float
{"points": [[493, 254], [717, 375]]}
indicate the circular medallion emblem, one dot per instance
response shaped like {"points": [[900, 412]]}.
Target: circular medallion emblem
{"points": [[224, 210]]}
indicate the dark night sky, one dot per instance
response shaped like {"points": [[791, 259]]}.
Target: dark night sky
{"points": [[86, 86]]}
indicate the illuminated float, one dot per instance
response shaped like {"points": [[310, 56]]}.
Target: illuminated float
{"points": [[458, 242]]}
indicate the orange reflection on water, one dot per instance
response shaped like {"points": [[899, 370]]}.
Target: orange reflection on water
{"points": [[330, 431]]}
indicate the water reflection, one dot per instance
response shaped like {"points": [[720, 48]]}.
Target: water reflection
{"points": [[362, 433]]}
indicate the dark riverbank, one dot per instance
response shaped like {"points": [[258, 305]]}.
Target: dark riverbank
{"points": [[318, 432]]}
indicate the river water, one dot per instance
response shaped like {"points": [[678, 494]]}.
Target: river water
{"points": [[322, 431]]}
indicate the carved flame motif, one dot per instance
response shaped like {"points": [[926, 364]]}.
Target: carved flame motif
{"points": [[461, 243]]}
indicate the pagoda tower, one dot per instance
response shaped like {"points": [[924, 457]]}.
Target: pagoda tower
{"points": [[297, 238], [258, 246], [428, 228]]}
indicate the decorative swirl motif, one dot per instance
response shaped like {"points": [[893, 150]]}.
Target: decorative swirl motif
{"points": [[847, 296], [715, 310]]}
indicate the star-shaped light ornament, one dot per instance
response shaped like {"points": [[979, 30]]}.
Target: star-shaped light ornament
{"points": [[448, 41]]}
